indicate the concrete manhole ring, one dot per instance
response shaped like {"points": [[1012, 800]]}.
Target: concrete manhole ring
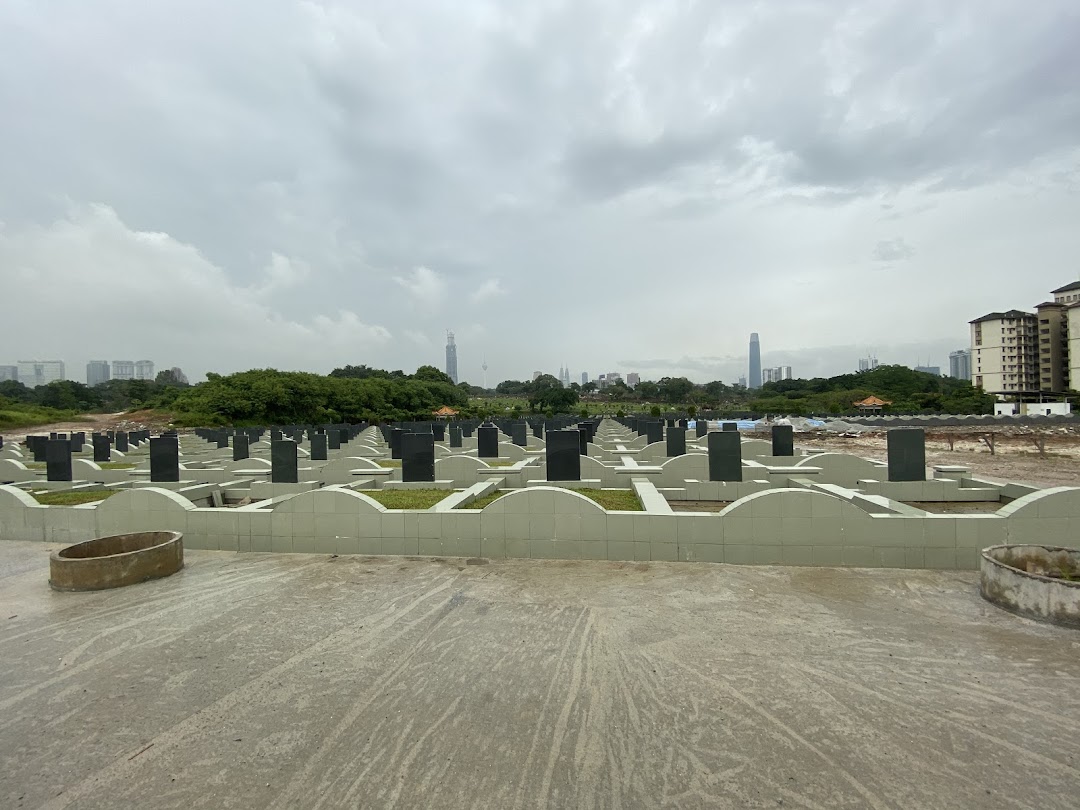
{"points": [[1040, 582], [111, 562]]}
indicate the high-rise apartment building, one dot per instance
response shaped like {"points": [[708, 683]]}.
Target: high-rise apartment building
{"points": [[584, 378], [9, 373], [536, 374], [632, 379], [451, 357], [33, 373], [1018, 354], [144, 369], [1004, 353], [776, 374], [754, 377], [868, 363], [97, 372], [123, 369], [960, 364]]}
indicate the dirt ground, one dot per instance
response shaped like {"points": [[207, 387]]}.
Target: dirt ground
{"points": [[94, 422], [1015, 458]]}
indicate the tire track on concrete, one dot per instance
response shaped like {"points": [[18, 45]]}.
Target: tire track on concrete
{"points": [[414, 750], [538, 728], [295, 784], [1045, 761], [103, 657], [123, 766], [721, 683]]}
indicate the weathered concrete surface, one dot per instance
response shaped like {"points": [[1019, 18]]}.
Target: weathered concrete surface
{"points": [[302, 681]]}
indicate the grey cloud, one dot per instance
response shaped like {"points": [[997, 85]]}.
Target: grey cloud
{"points": [[893, 250]]}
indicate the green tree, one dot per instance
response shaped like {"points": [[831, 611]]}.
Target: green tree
{"points": [[547, 392]]}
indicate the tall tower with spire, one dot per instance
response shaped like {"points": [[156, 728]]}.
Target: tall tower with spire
{"points": [[451, 357]]}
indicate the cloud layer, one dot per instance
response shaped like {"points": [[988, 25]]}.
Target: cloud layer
{"points": [[306, 184]]}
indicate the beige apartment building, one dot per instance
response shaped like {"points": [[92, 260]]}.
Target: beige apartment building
{"points": [[1018, 355]]}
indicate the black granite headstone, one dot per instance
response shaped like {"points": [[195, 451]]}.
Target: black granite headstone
{"points": [[725, 456], [222, 440], [519, 434], [318, 447], [783, 440], [333, 439], [731, 427], [907, 454], [455, 436], [438, 430], [58, 460], [283, 466], [563, 455], [165, 459], [38, 446], [702, 427], [77, 441], [395, 442], [487, 441], [654, 432], [683, 423], [102, 448], [418, 457], [583, 440], [121, 441], [676, 441], [241, 447]]}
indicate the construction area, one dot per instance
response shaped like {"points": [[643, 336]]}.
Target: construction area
{"points": [[298, 680]]}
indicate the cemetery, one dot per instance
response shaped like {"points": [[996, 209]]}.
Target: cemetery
{"points": [[674, 489]]}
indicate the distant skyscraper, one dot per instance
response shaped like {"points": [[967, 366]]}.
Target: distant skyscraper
{"points": [[564, 376], [144, 370], [935, 370], [97, 372], [584, 378], [868, 363], [33, 373], [536, 374], [742, 381], [451, 357], [632, 379], [960, 364], [754, 377], [9, 373], [123, 369], [777, 374]]}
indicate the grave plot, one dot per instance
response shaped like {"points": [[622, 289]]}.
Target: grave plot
{"points": [[631, 489]]}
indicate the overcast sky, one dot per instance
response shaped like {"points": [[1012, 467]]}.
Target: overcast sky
{"points": [[617, 186]]}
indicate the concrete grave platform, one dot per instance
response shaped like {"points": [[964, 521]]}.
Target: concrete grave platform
{"points": [[264, 681]]}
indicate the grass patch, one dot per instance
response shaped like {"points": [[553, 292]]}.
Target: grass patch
{"points": [[499, 463], [116, 465], [409, 498], [618, 500], [389, 462], [18, 415], [73, 497]]}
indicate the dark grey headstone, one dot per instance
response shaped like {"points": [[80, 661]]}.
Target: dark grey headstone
{"points": [[333, 438], [563, 455], [283, 466], [654, 432], [241, 447], [702, 427], [731, 427], [222, 439], [418, 457], [121, 441], [783, 440], [395, 442], [438, 430], [165, 459], [676, 441], [907, 454], [455, 436], [583, 440], [58, 460], [519, 434], [318, 447], [725, 456], [683, 423], [102, 448], [38, 446], [77, 440], [487, 441], [537, 429]]}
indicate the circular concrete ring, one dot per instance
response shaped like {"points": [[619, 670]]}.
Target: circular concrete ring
{"points": [[111, 562], [1012, 577]]}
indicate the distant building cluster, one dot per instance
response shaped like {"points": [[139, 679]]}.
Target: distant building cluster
{"points": [[99, 371], [1017, 354], [777, 374], [33, 373], [868, 363], [960, 364]]}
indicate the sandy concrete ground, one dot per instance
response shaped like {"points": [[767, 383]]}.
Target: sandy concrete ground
{"points": [[273, 681]]}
